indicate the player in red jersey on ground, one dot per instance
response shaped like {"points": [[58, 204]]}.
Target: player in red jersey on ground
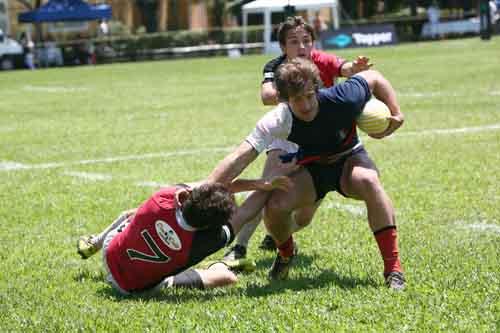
{"points": [[153, 247]]}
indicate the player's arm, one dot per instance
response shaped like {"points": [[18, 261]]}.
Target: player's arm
{"points": [[268, 93], [383, 90], [271, 183], [349, 68], [233, 164], [274, 124]]}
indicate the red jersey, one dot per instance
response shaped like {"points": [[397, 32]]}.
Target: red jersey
{"points": [[328, 65], [158, 243]]}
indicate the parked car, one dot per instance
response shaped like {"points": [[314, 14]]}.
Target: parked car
{"points": [[11, 53]]}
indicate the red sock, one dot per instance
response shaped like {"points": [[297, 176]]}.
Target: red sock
{"points": [[388, 245], [286, 248]]}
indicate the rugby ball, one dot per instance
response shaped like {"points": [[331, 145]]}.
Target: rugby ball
{"points": [[374, 117]]}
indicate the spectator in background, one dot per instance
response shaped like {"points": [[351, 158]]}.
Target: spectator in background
{"points": [[103, 28], [28, 50], [494, 15], [319, 26], [434, 14], [53, 54]]}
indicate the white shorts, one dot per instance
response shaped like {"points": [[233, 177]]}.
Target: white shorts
{"points": [[282, 144], [109, 277]]}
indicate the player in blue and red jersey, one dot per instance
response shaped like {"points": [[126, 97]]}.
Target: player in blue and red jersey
{"points": [[155, 246], [296, 38], [320, 122]]}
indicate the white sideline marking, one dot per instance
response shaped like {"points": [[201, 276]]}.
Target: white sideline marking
{"points": [[352, 209], [150, 184], [88, 175], [493, 127], [422, 94], [54, 89], [9, 165], [436, 94], [112, 159], [483, 227]]}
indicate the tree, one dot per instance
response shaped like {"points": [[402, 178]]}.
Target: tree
{"points": [[148, 10], [30, 4], [218, 8]]}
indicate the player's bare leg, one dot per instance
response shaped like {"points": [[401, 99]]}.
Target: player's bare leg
{"points": [[301, 217], [360, 181], [217, 275], [89, 245], [279, 222]]}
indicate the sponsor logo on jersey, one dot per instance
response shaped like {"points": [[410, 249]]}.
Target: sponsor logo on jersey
{"points": [[168, 235]]}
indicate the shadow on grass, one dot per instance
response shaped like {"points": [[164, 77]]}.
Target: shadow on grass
{"points": [[168, 295], [301, 260], [327, 277]]}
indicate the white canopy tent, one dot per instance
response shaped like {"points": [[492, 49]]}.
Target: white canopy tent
{"points": [[267, 7]]}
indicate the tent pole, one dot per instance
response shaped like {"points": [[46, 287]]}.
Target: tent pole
{"points": [[335, 14], [267, 31], [245, 24]]}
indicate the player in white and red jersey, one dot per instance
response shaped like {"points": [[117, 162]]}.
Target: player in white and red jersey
{"points": [[320, 121], [177, 227], [296, 38]]}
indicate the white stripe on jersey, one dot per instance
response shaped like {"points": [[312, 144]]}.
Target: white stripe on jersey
{"points": [[276, 124], [226, 229]]}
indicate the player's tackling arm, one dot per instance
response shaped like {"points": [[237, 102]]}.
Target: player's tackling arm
{"points": [[268, 93], [349, 68], [233, 164], [269, 184]]}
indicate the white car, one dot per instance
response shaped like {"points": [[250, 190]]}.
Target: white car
{"points": [[11, 52]]}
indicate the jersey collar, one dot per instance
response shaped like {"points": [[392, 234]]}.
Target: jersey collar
{"points": [[182, 222]]}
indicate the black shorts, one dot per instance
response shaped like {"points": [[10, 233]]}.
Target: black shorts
{"points": [[326, 177]]}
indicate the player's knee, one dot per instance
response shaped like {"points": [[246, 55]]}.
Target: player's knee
{"points": [[276, 205], [230, 278], [303, 220], [218, 277], [368, 182], [223, 278]]}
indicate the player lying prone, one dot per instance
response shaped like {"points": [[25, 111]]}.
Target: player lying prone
{"points": [[154, 246]]}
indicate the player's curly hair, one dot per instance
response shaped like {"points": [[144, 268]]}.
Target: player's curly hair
{"points": [[209, 205], [291, 77], [293, 22]]}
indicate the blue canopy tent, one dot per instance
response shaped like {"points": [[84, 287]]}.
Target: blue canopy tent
{"points": [[66, 10]]}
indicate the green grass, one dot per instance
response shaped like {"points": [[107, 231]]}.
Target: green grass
{"points": [[445, 187]]}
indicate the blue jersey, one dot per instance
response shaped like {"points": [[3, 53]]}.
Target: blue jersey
{"points": [[333, 130]]}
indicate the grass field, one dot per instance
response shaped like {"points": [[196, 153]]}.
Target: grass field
{"points": [[79, 145]]}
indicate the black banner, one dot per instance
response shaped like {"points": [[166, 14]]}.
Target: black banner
{"points": [[360, 36]]}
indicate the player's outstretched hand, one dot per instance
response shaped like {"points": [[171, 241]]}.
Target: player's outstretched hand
{"points": [[361, 63], [277, 183], [396, 121]]}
